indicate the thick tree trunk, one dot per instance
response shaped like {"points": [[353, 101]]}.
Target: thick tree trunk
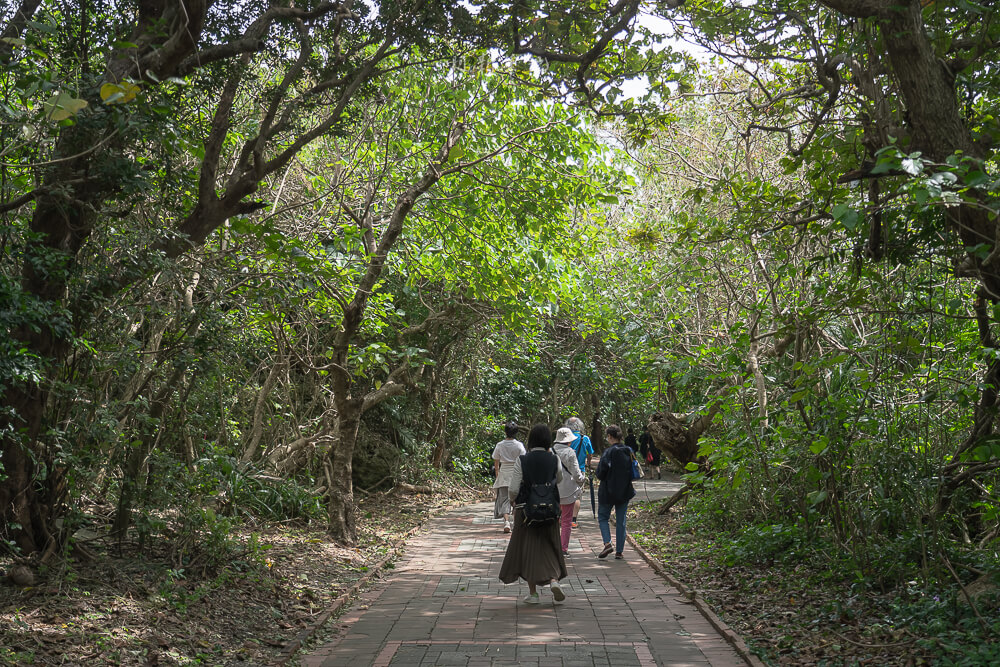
{"points": [[29, 500], [442, 452], [674, 438], [939, 131], [34, 486], [339, 470]]}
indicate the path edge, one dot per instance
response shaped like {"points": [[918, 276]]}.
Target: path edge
{"points": [[692, 595], [296, 644]]}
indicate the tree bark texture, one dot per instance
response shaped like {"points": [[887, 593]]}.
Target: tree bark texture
{"points": [[936, 127], [676, 439], [339, 468], [34, 488]]}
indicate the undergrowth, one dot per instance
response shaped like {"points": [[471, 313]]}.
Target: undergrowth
{"points": [[799, 596]]}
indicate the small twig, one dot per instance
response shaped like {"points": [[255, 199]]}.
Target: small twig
{"points": [[864, 645], [947, 563], [373, 486]]}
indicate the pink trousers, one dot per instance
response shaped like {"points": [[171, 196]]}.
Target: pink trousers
{"points": [[565, 525]]}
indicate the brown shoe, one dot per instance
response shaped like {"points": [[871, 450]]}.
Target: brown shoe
{"points": [[619, 556], [607, 551]]}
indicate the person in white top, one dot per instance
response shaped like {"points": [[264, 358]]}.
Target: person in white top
{"points": [[571, 487], [504, 455]]}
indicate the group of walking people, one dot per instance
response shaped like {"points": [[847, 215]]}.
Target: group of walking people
{"points": [[537, 550]]}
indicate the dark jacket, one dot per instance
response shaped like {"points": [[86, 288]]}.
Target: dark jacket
{"points": [[615, 472]]}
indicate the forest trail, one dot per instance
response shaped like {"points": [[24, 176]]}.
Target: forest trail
{"points": [[443, 605]]}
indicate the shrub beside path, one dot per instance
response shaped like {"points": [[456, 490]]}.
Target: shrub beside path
{"points": [[443, 605]]}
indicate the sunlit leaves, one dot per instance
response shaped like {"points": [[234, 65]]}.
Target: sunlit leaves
{"points": [[61, 106], [119, 93]]}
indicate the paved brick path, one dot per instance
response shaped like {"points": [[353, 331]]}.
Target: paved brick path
{"points": [[443, 605]]}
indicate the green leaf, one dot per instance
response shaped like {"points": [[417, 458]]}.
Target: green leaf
{"points": [[845, 215], [816, 497], [62, 105]]}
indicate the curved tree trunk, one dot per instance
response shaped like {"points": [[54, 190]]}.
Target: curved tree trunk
{"points": [[676, 439], [257, 432], [442, 452]]}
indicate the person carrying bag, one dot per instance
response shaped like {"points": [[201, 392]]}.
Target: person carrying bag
{"points": [[534, 552], [615, 472]]}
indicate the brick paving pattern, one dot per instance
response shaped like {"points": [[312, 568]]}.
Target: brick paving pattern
{"points": [[443, 605]]}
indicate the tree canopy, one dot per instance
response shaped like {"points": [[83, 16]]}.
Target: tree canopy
{"points": [[333, 245]]}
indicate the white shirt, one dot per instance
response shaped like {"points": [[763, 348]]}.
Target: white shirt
{"points": [[506, 452]]}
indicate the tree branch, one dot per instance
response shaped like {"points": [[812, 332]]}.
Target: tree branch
{"points": [[19, 202], [862, 9], [16, 26]]}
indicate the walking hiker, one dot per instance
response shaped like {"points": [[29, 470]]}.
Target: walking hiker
{"points": [[650, 453], [571, 487], [630, 441], [584, 451], [533, 552], [504, 455], [615, 472]]}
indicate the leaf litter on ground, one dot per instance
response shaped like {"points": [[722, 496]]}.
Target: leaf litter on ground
{"points": [[786, 614], [131, 609]]}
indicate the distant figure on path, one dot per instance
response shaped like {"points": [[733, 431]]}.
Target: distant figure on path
{"points": [[649, 453], [571, 488], [533, 552], [504, 456], [615, 472], [584, 452], [630, 441]]}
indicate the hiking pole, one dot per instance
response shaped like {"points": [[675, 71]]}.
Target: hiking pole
{"points": [[593, 503]]}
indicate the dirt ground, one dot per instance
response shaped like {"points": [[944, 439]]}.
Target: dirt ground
{"points": [[122, 609]]}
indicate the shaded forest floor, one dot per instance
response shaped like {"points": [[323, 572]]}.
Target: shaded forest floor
{"points": [[123, 609], [799, 612]]}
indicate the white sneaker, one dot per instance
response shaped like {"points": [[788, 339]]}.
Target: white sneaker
{"points": [[506, 527], [532, 599], [557, 592]]}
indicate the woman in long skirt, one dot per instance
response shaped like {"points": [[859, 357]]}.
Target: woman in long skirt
{"points": [[534, 553], [504, 455]]}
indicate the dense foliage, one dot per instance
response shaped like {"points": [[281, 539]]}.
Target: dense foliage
{"points": [[259, 255]]}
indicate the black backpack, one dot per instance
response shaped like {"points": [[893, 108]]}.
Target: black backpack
{"points": [[541, 502]]}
